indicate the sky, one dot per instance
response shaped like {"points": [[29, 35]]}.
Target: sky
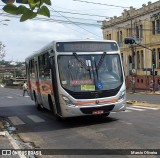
{"points": [[70, 19]]}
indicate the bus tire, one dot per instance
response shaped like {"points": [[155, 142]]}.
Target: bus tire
{"points": [[52, 109], [38, 106]]}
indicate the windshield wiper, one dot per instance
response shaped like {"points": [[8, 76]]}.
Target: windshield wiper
{"points": [[82, 63], [101, 61]]}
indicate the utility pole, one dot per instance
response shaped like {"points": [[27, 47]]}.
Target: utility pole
{"points": [[132, 41], [153, 71], [132, 50]]}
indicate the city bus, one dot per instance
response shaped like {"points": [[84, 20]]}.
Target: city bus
{"points": [[77, 78]]}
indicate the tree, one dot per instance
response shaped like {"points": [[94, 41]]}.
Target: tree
{"points": [[2, 51], [34, 8]]}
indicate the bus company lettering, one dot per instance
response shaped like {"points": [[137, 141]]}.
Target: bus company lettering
{"points": [[80, 82]]}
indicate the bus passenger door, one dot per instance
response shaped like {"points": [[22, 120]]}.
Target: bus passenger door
{"points": [[55, 86]]}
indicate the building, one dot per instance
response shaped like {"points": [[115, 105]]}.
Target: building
{"points": [[143, 25], [12, 71]]}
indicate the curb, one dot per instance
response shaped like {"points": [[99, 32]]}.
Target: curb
{"points": [[138, 103], [135, 102], [147, 93]]}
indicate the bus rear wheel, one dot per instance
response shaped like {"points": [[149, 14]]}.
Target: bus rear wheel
{"points": [[38, 106]]}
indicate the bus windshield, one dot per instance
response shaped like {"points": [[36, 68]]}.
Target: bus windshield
{"points": [[95, 72]]}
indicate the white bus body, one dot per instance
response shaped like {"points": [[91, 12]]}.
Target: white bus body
{"points": [[77, 78]]}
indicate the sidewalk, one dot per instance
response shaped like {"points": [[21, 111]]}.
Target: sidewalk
{"points": [[6, 142], [4, 136], [9, 141]]}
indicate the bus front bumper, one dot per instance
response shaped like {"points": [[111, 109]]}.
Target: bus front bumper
{"points": [[91, 110]]}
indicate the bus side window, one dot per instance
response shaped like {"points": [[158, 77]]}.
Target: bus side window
{"points": [[31, 69], [44, 68], [47, 66], [40, 62]]}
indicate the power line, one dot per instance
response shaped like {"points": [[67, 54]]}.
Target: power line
{"points": [[94, 15], [83, 14], [77, 18], [75, 23], [79, 9], [58, 21], [100, 4], [52, 20]]}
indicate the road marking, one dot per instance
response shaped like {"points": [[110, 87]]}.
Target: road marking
{"points": [[135, 109], [35, 118], [16, 121], [14, 144], [9, 97], [125, 122], [144, 107], [127, 111]]}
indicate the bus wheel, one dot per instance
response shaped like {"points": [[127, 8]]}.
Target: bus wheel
{"points": [[38, 106], [52, 109]]}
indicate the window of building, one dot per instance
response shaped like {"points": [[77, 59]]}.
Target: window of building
{"points": [[142, 59], [141, 80], [158, 57], [141, 31], [154, 57], [109, 36], [130, 58], [153, 28], [138, 60], [118, 36], [137, 32], [158, 26]]}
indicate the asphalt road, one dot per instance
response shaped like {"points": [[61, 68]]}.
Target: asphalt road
{"points": [[149, 98], [137, 128]]}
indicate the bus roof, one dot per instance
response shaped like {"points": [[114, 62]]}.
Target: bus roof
{"points": [[52, 44]]}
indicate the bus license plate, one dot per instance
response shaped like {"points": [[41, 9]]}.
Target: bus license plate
{"points": [[97, 112]]}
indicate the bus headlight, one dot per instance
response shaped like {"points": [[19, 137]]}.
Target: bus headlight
{"points": [[67, 101], [122, 96]]}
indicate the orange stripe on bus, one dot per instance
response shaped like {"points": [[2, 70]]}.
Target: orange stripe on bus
{"points": [[95, 102], [108, 101], [84, 103]]}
